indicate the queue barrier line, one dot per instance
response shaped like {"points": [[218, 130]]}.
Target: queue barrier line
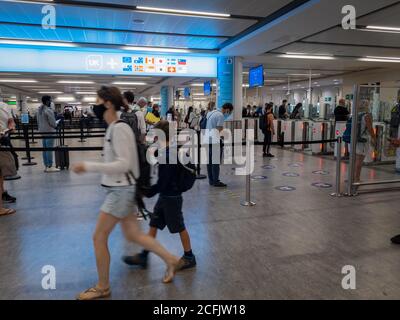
{"points": [[57, 137]]}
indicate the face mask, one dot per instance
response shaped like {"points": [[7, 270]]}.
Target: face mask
{"points": [[99, 110], [226, 116]]}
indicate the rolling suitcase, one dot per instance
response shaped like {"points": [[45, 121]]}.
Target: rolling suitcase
{"points": [[62, 153]]}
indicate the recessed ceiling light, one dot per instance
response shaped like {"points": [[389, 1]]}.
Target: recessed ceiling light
{"points": [[86, 92], [75, 82], [382, 28], [379, 60], [18, 80], [38, 43], [184, 12], [89, 99], [310, 57], [155, 49], [50, 92], [125, 83], [388, 58], [65, 98]]}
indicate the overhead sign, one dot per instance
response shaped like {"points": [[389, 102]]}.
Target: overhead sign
{"points": [[73, 60]]}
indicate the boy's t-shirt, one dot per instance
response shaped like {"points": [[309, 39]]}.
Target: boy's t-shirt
{"points": [[167, 178]]}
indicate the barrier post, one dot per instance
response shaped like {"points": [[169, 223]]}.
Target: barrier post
{"points": [[338, 168], [247, 202], [81, 129], [27, 146], [198, 169], [33, 134]]}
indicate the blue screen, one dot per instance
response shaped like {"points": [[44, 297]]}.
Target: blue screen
{"points": [[186, 93], [207, 88], [256, 77]]}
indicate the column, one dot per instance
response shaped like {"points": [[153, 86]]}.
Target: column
{"points": [[167, 99]]}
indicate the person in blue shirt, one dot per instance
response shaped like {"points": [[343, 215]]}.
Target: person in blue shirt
{"points": [[215, 124]]}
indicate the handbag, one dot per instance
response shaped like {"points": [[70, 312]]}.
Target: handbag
{"points": [[7, 164]]}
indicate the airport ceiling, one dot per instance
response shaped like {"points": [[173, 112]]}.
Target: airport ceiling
{"points": [[261, 31]]}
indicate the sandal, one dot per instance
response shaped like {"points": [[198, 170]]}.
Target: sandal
{"points": [[7, 212], [94, 293]]}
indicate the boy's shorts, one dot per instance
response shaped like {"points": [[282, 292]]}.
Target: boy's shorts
{"points": [[168, 212]]}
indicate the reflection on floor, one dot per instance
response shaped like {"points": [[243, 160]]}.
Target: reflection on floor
{"points": [[291, 245]]}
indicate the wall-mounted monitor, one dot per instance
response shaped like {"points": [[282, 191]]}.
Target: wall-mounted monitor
{"points": [[207, 88], [256, 77], [187, 93]]}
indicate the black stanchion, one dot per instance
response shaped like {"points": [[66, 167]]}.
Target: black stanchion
{"points": [[82, 133], [33, 135], [198, 169], [27, 146]]}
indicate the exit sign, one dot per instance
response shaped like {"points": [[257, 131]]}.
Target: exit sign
{"points": [[12, 103]]}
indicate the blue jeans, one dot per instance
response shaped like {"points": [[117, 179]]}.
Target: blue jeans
{"points": [[48, 155], [213, 168]]}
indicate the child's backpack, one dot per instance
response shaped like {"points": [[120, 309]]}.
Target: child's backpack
{"points": [[186, 176]]}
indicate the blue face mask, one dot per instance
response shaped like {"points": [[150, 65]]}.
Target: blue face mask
{"points": [[227, 116]]}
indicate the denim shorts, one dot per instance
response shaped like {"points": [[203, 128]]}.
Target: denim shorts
{"points": [[120, 201]]}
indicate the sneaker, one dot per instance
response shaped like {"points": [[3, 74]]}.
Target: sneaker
{"points": [[7, 198], [269, 155], [139, 259], [220, 184], [396, 239], [52, 169], [186, 263], [265, 155]]}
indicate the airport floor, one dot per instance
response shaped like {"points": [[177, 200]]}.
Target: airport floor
{"points": [[291, 245]]}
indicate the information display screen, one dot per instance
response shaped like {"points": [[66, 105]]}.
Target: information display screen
{"points": [[256, 77], [207, 88], [92, 61]]}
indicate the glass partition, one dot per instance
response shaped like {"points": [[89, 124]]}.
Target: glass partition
{"points": [[374, 139]]}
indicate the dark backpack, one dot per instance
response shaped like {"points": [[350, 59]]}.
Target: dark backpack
{"points": [[203, 122], [347, 132], [131, 119], [263, 122], [186, 176]]}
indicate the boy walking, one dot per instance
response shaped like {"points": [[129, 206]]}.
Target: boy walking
{"points": [[168, 209]]}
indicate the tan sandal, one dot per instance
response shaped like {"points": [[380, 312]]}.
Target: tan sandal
{"points": [[7, 212], [94, 293]]}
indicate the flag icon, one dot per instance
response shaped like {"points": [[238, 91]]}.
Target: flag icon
{"points": [[172, 69], [150, 60], [182, 62], [138, 60], [126, 60]]}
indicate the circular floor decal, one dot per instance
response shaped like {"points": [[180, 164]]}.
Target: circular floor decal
{"points": [[321, 172], [295, 165], [258, 177], [322, 185], [291, 174], [268, 167], [285, 188]]}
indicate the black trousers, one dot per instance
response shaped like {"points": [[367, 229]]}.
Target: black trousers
{"points": [[267, 142]]}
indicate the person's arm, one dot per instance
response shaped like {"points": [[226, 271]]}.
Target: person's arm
{"points": [[122, 137], [271, 124], [51, 119], [220, 122]]}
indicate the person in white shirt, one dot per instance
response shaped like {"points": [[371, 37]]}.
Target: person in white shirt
{"points": [[6, 123], [129, 99], [119, 171]]}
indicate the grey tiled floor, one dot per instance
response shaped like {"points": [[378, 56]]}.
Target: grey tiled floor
{"points": [[291, 245]]}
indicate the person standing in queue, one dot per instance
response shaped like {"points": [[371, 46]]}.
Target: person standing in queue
{"points": [[119, 171], [168, 209], [395, 142], [268, 130], [341, 112], [153, 117], [7, 123], [214, 126], [129, 99], [283, 113], [47, 123]]}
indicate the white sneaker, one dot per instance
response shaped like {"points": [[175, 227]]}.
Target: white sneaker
{"points": [[52, 169]]}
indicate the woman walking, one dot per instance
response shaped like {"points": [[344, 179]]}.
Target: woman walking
{"points": [[119, 170]]}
